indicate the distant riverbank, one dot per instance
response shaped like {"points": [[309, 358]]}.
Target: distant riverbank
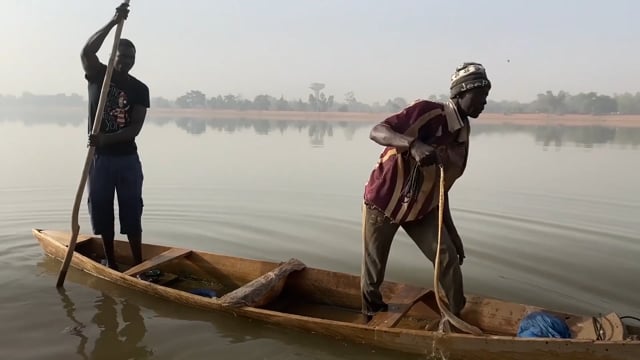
{"points": [[213, 114], [486, 118]]}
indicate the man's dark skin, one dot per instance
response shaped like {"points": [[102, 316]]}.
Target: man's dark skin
{"points": [[469, 104], [124, 61]]}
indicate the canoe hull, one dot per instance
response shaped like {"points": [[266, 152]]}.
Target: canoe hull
{"points": [[452, 346]]}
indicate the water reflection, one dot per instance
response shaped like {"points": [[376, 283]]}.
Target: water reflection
{"points": [[33, 118], [76, 330], [126, 341], [561, 135], [547, 136], [213, 332], [317, 130], [585, 136], [112, 341]]}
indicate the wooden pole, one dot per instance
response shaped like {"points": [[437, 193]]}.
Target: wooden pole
{"points": [[447, 315], [75, 227]]}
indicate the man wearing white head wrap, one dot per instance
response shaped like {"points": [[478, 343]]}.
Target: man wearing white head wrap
{"points": [[402, 188]]}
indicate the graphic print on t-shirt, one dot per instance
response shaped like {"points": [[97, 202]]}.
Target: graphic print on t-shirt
{"points": [[116, 110]]}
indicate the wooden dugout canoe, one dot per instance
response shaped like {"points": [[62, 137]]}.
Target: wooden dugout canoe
{"points": [[321, 301]]}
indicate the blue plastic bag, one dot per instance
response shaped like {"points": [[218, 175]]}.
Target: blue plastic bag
{"points": [[539, 324], [204, 292]]}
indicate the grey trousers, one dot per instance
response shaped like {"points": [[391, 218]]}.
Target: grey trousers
{"points": [[378, 232]]}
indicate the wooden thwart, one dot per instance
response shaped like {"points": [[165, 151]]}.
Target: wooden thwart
{"points": [[168, 255], [399, 304]]}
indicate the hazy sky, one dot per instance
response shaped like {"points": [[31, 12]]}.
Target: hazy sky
{"points": [[377, 49]]}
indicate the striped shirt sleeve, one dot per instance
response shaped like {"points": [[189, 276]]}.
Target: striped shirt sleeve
{"points": [[415, 116]]}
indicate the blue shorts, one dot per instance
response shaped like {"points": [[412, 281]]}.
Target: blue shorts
{"points": [[115, 174]]}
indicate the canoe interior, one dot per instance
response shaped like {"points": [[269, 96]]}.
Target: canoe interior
{"points": [[335, 296]]}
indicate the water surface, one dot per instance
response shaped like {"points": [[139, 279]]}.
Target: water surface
{"points": [[548, 215]]}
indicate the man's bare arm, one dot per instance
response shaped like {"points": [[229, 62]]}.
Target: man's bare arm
{"points": [[89, 56]]}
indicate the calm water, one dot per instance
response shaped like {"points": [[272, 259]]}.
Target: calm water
{"points": [[548, 215]]}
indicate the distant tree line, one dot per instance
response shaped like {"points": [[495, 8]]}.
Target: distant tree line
{"points": [[564, 103], [559, 103], [590, 103], [32, 100], [318, 102]]}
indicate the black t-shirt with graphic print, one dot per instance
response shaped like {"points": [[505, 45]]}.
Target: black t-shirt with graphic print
{"points": [[124, 92]]}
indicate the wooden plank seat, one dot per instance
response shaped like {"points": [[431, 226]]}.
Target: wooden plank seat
{"points": [[399, 305], [162, 258]]}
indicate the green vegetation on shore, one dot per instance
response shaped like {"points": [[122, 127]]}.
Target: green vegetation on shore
{"points": [[560, 103]]}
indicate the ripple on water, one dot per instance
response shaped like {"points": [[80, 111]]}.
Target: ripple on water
{"points": [[552, 262], [529, 250], [257, 226]]}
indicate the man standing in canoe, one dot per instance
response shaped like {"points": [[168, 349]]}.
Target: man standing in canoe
{"points": [[403, 187], [116, 165]]}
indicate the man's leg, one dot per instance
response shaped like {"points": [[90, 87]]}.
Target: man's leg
{"points": [[100, 203], [129, 188], [424, 233], [377, 234], [135, 243]]}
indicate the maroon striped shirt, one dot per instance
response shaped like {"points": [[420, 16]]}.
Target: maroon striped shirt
{"points": [[436, 124]]}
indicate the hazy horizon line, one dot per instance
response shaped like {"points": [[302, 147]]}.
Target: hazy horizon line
{"points": [[241, 96]]}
